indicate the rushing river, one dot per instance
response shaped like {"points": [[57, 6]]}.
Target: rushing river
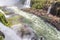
{"points": [[9, 33], [38, 25], [30, 27]]}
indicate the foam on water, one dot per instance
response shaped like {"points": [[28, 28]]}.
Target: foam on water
{"points": [[9, 33]]}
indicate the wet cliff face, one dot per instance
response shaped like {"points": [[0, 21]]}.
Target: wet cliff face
{"points": [[55, 10]]}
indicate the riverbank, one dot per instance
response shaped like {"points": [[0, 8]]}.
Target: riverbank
{"points": [[54, 20]]}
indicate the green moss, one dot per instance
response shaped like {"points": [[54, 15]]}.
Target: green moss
{"points": [[1, 38], [3, 20]]}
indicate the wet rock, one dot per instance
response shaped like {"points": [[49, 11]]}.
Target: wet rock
{"points": [[55, 10], [1, 34]]}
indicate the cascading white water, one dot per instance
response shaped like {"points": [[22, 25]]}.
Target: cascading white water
{"points": [[18, 3], [7, 16], [9, 33], [23, 4], [26, 36], [41, 27], [17, 28], [49, 9], [27, 4]]}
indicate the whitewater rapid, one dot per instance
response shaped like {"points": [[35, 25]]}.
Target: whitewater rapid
{"points": [[48, 31], [9, 33], [39, 26]]}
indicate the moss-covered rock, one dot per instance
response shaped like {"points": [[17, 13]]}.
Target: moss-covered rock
{"points": [[3, 20]]}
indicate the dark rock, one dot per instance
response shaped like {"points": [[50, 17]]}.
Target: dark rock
{"points": [[55, 10], [1, 34]]}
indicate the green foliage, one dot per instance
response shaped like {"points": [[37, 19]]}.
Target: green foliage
{"points": [[38, 4], [1, 38], [3, 20]]}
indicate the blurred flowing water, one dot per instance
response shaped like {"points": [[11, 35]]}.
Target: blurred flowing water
{"points": [[28, 33], [27, 4], [19, 3], [38, 25], [49, 9], [9, 33], [17, 33], [30, 27], [33, 29]]}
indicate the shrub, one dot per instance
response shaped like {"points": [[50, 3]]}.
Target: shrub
{"points": [[38, 4]]}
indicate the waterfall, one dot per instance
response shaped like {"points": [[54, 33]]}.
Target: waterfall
{"points": [[27, 4], [18, 3], [9, 33], [23, 4], [49, 9]]}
